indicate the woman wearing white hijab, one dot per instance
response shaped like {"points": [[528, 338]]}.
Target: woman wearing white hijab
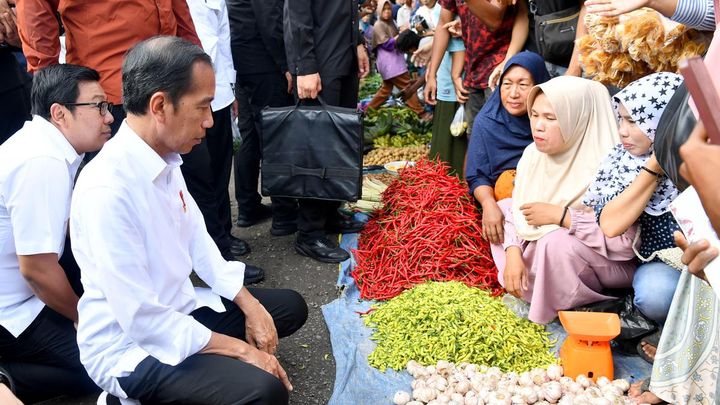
{"points": [[555, 256]]}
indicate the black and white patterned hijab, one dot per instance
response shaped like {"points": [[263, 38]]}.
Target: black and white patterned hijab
{"points": [[645, 100]]}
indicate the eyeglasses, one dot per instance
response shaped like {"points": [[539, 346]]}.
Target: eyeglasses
{"points": [[103, 106]]}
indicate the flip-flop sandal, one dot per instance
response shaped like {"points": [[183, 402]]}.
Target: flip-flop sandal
{"points": [[652, 339]]}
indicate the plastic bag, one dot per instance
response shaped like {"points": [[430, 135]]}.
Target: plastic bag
{"points": [[633, 324], [458, 124]]}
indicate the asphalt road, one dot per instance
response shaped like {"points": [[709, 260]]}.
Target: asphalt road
{"points": [[307, 355]]}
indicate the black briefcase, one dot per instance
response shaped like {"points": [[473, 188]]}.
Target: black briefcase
{"points": [[312, 151]]}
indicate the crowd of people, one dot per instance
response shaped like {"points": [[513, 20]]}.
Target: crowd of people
{"points": [[115, 170]]}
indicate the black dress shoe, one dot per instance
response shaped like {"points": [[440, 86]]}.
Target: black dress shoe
{"points": [[283, 228], [253, 274], [259, 214], [238, 247], [344, 225], [322, 250]]}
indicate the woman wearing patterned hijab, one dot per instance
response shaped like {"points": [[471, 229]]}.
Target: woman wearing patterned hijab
{"points": [[630, 189]]}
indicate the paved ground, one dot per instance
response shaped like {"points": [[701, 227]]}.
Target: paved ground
{"points": [[306, 356]]}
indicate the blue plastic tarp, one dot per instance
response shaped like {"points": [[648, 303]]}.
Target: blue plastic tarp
{"points": [[357, 383]]}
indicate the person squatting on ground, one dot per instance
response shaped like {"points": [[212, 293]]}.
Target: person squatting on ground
{"points": [[144, 332], [39, 295], [554, 255]]}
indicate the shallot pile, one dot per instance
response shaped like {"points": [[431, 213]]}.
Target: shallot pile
{"points": [[469, 384]]}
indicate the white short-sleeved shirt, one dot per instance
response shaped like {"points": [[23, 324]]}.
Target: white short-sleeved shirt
{"points": [[37, 170], [137, 234], [213, 28]]}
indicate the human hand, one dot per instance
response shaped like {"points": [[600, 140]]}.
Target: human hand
{"points": [[612, 8], [430, 90], [539, 214], [421, 57], [288, 77], [515, 274], [363, 61], [492, 223], [260, 331], [696, 255], [269, 363], [9, 30], [454, 28], [461, 93], [495, 75], [234, 111], [308, 86]]}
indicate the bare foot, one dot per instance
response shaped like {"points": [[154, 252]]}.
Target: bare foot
{"points": [[641, 395], [649, 349]]}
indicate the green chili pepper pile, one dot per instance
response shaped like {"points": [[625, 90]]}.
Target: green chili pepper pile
{"points": [[451, 321]]}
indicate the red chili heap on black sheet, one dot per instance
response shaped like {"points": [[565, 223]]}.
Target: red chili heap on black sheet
{"points": [[429, 229]]}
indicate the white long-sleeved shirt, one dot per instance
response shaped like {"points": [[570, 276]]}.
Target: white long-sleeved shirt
{"points": [[37, 170], [137, 234], [213, 28]]}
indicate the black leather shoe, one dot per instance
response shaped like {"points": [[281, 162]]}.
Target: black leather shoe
{"points": [[238, 247], [253, 274], [283, 228], [257, 215], [344, 225], [322, 250]]}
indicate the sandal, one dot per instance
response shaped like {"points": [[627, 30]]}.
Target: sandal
{"points": [[652, 339]]}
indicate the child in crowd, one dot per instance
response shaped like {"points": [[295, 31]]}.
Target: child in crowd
{"points": [[629, 189], [391, 63], [554, 255]]}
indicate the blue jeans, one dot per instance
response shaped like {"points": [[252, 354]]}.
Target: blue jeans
{"points": [[654, 284]]}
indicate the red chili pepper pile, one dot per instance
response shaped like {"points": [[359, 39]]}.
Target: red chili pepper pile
{"points": [[429, 229]]}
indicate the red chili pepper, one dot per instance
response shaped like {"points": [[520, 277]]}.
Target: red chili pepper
{"points": [[429, 229]]}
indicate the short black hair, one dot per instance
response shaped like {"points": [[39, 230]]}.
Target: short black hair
{"points": [[58, 84], [158, 64], [407, 41]]}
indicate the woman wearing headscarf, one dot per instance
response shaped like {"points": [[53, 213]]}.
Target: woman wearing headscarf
{"points": [[630, 190], [390, 63], [501, 132], [554, 254]]}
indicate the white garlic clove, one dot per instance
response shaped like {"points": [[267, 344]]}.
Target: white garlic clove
{"points": [[583, 380], [554, 372], [602, 381], [622, 383], [401, 398]]}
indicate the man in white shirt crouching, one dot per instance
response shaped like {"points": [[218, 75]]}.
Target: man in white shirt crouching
{"points": [[145, 333], [38, 164]]}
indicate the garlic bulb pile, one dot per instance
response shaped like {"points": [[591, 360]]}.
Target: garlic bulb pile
{"points": [[469, 384]]}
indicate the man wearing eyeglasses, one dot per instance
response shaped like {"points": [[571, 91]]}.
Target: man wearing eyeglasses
{"points": [[38, 296]]}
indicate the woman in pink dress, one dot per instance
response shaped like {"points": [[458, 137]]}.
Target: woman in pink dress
{"points": [[554, 255]]}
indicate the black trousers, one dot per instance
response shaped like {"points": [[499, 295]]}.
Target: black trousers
{"points": [[14, 110], [215, 379], [206, 169], [44, 360], [255, 92], [339, 91]]}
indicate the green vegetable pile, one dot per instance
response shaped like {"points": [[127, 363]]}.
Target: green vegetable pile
{"points": [[397, 127], [451, 321], [369, 86]]}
